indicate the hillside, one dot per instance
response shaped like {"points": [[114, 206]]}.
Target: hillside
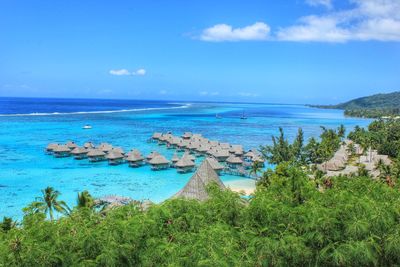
{"points": [[373, 106]]}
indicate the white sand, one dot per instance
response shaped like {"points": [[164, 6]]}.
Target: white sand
{"points": [[242, 185]]}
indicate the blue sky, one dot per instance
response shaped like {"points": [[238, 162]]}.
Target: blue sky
{"points": [[300, 51]]}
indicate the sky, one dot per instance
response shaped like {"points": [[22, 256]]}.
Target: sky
{"points": [[293, 51]]}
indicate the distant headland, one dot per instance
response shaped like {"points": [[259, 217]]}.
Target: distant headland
{"points": [[374, 106]]}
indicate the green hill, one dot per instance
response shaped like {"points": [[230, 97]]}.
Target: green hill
{"points": [[373, 106]]}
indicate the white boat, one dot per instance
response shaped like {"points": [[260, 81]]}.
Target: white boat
{"points": [[87, 126]]}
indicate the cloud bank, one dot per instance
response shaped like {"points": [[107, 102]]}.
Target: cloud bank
{"points": [[367, 20], [125, 72]]}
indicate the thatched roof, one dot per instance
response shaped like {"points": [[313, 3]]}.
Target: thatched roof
{"points": [[197, 185], [62, 148], [185, 161], [221, 153], [105, 147], [152, 155], [213, 143], [51, 146], [175, 158], [118, 149], [193, 145], [159, 160], [88, 145], [156, 135], [79, 150], [215, 164], [187, 135], [71, 144], [114, 155], [95, 153], [134, 156], [189, 156], [234, 160]]}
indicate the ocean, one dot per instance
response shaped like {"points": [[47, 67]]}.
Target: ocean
{"points": [[29, 124]]}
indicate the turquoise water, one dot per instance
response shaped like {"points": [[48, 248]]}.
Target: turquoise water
{"points": [[25, 169]]}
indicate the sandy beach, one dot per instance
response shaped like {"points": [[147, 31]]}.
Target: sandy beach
{"points": [[242, 185]]}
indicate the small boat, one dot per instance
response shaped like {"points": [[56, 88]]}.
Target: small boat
{"points": [[243, 117], [87, 126], [218, 116]]}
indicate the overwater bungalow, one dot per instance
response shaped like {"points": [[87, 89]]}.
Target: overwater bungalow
{"points": [[79, 152], [193, 146], [217, 167], [114, 157], [156, 136], [162, 140], [237, 150], [119, 150], [50, 148], [174, 159], [61, 151], [95, 155], [185, 164], [152, 155], [182, 145], [71, 145], [189, 156], [249, 155], [234, 162], [187, 135], [196, 187], [105, 147], [88, 145], [203, 148], [175, 141], [221, 155], [159, 162], [135, 158], [213, 143]]}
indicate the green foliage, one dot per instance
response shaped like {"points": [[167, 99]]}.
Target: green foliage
{"points": [[299, 153], [287, 223]]}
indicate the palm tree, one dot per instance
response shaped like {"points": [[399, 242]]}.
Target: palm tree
{"points": [[48, 203], [85, 200], [255, 168]]}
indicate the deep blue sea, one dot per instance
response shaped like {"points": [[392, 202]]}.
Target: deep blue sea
{"points": [[29, 124]]}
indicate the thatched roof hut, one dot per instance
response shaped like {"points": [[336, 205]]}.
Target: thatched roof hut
{"points": [[105, 147], [221, 154], [185, 164], [215, 165], [187, 135], [50, 147], [71, 145], [61, 151], [118, 149], [88, 145], [156, 136], [135, 158], [114, 157], [234, 160], [159, 162], [96, 155], [79, 151], [175, 158], [152, 155], [196, 188]]}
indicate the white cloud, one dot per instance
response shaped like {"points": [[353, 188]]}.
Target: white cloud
{"points": [[125, 72], [325, 3], [377, 20], [206, 93], [120, 72], [366, 20], [140, 72], [225, 32]]}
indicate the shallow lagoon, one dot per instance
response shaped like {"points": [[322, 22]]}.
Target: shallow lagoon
{"points": [[25, 169]]}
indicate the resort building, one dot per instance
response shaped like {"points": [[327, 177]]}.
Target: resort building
{"points": [[159, 162], [221, 155], [187, 135], [61, 151], [217, 167], [71, 145], [156, 136], [88, 145], [135, 158], [50, 148], [174, 159], [79, 152], [115, 157], [105, 147], [234, 162], [196, 188], [152, 155], [95, 155], [185, 164]]}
